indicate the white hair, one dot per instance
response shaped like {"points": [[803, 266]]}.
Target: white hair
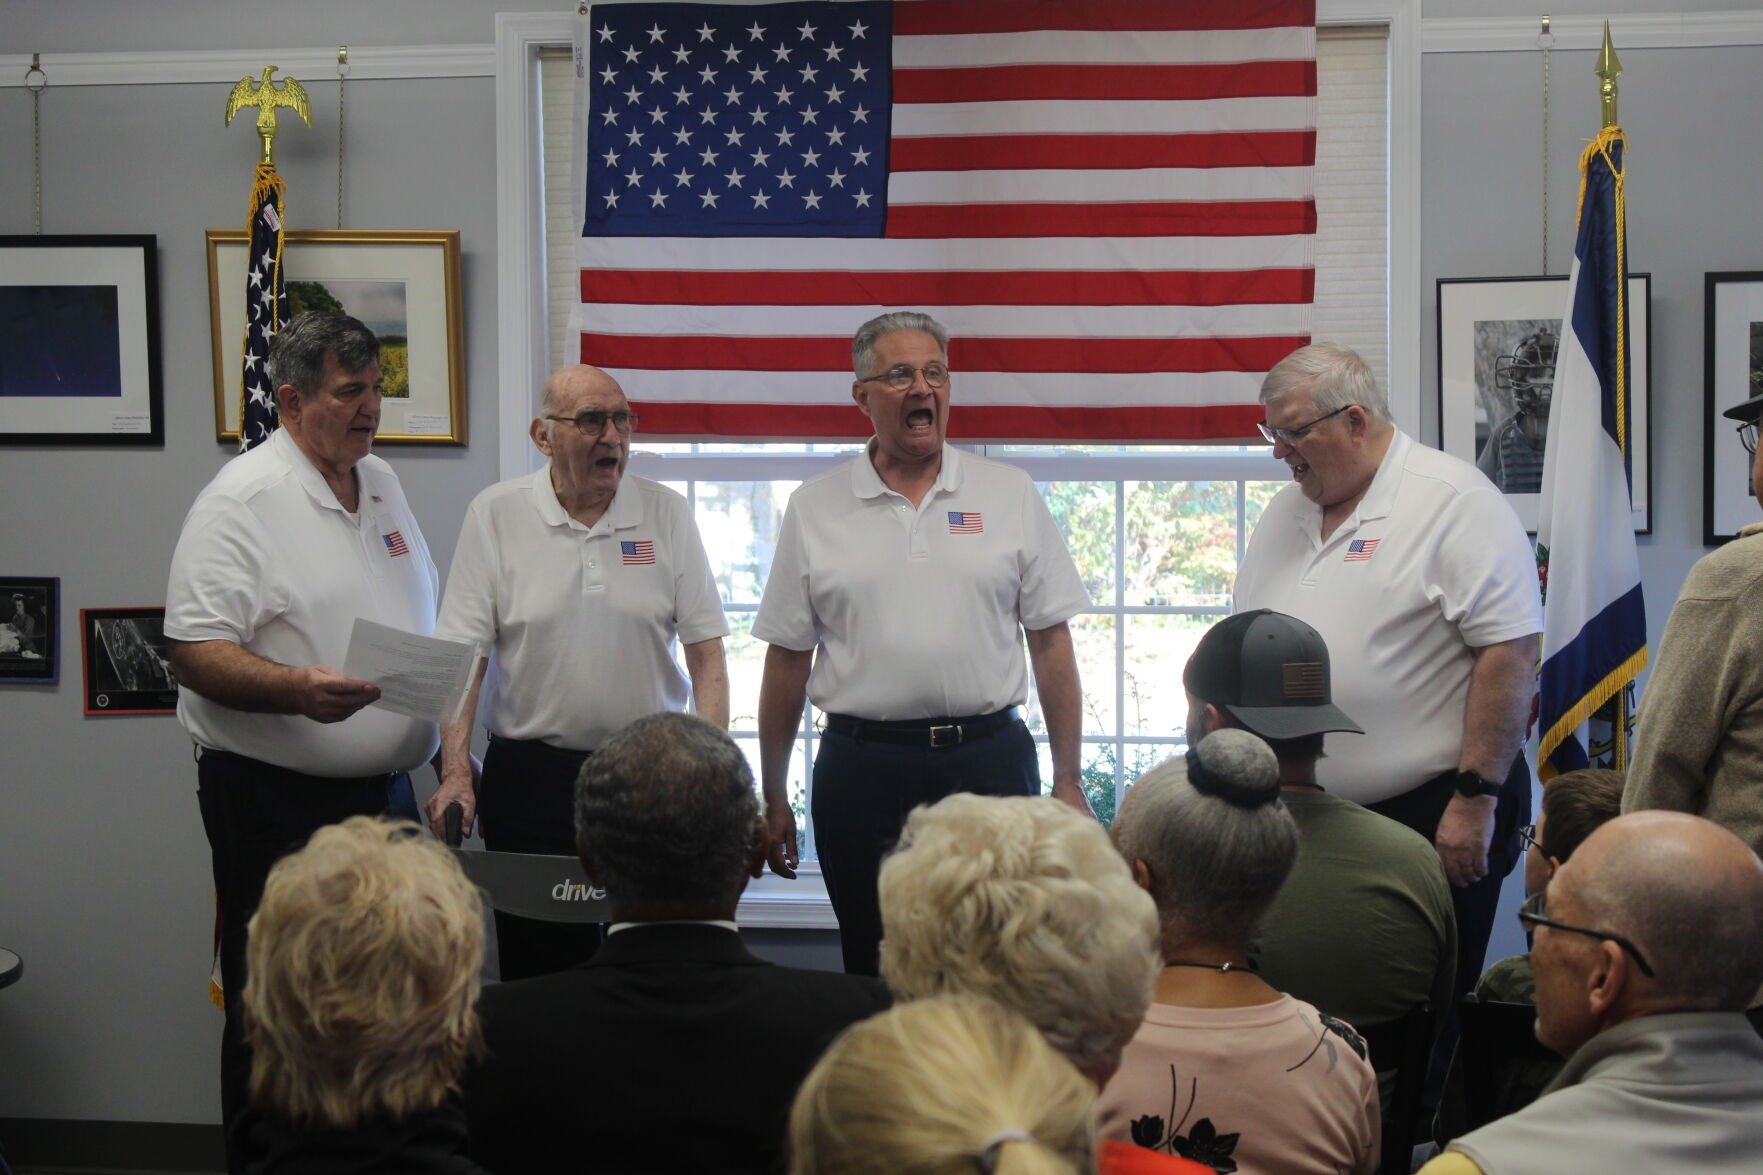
{"points": [[1336, 377], [1216, 866], [1022, 900], [863, 342]]}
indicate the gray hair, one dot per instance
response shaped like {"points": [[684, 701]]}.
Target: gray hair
{"points": [[863, 342], [665, 811], [1021, 900], [296, 354], [1703, 938], [1215, 866], [1336, 377]]}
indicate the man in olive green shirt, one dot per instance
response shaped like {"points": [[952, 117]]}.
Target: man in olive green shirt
{"points": [[1363, 928]]}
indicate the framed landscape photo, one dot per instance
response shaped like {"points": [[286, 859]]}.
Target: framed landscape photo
{"points": [[79, 341], [1498, 342], [126, 669], [1732, 320], [404, 285], [30, 630]]}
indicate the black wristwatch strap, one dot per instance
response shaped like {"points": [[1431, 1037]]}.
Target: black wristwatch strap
{"points": [[1468, 783]]}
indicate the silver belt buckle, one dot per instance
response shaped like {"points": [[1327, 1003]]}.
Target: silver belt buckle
{"points": [[938, 739]]}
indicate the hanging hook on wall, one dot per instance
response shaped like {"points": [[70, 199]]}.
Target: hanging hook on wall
{"points": [[36, 81]]}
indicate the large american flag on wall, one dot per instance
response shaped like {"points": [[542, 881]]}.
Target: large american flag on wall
{"points": [[1108, 202]]}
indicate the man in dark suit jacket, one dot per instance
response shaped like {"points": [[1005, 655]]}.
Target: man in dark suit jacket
{"points": [[673, 1048]]}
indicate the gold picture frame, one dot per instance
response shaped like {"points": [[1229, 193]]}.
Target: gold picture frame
{"points": [[383, 277]]}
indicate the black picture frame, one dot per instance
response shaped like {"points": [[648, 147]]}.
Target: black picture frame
{"points": [[122, 651], [1479, 314], [79, 341], [1732, 323], [30, 630]]}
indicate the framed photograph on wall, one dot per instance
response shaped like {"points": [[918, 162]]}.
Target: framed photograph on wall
{"points": [[30, 629], [1733, 322], [126, 669], [1498, 341], [79, 341], [403, 284]]}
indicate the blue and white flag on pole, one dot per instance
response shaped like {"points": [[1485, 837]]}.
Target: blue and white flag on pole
{"points": [[1594, 620]]}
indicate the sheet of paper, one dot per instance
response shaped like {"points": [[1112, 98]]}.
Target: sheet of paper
{"points": [[419, 676]]}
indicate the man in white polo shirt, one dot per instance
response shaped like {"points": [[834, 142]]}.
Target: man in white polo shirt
{"points": [[898, 600], [281, 552], [1421, 580], [581, 580]]}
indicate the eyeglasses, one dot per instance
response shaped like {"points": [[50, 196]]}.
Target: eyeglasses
{"points": [[1748, 437], [1528, 834], [1533, 913], [592, 422], [900, 376], [1292, 436]]}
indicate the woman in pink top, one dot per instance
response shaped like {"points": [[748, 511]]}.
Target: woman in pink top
{"points": [[1225, 1070]]}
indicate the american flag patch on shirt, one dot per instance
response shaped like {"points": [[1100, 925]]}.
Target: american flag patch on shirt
{"points": [[966, 522], [640, 551], [395, 544], [1360, 550]]}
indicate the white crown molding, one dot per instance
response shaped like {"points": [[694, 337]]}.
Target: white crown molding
{"points": [[1514, 34], [182, 67]]}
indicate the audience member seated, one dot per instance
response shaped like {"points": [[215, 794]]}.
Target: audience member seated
{"points": [[946, 1086], [1574, 805], [1225, 1068], [673, 1048], [363, 960], [1648, 945], [1363, 929], [1022, 900]]}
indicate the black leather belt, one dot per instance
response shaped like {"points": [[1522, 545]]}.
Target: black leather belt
{"points": [[934, 733]]}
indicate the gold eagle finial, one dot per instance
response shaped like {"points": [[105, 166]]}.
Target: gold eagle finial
{"points": [[266, 96]]}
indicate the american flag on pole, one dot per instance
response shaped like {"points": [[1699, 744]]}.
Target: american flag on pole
{"points": [[266, 306], [1108, 202]]}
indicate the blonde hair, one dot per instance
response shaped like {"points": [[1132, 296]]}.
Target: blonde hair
{"points": [[1025, 901], [363, 961], [944, 1085]]}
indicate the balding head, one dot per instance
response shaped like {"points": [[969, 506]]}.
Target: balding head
{"points": [[566, 385], [1685, 892]]}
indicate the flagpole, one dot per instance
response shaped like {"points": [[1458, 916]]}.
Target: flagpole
{"points": [[1608, 69]]}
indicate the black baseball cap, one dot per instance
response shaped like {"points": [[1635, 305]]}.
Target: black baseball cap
{"points": [[1269, 672], [1747, 412]]}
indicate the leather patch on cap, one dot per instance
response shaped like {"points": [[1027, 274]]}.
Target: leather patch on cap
{"points": [[1304, 681]]}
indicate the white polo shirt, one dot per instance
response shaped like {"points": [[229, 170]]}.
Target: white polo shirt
{"points": [[1432, 565], [917, 611], [582, 620], [269, 560]]}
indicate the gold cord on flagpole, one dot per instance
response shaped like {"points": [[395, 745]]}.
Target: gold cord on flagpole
{"points": [[36, 81], [342, 72], [1545, 42]]}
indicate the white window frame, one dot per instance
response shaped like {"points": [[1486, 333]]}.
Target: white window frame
{"points": [[523, 314]]}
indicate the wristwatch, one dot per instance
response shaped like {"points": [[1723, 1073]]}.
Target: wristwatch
{"points": [[1468, 783]]}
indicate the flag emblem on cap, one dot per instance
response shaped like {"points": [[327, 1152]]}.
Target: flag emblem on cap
{"points": [[395, 543], [966, 522], [1360, 550], [638, 552], [1304, 681]]}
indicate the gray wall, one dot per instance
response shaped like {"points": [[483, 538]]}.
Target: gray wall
{"points": [[103, 868]]}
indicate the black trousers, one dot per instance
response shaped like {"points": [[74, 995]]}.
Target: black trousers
{"points": [[1475, 905], [254, 814], [527, 805], [863, 791]]}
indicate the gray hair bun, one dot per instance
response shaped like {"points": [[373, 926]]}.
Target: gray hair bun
{"points": [[1236, 767]]}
